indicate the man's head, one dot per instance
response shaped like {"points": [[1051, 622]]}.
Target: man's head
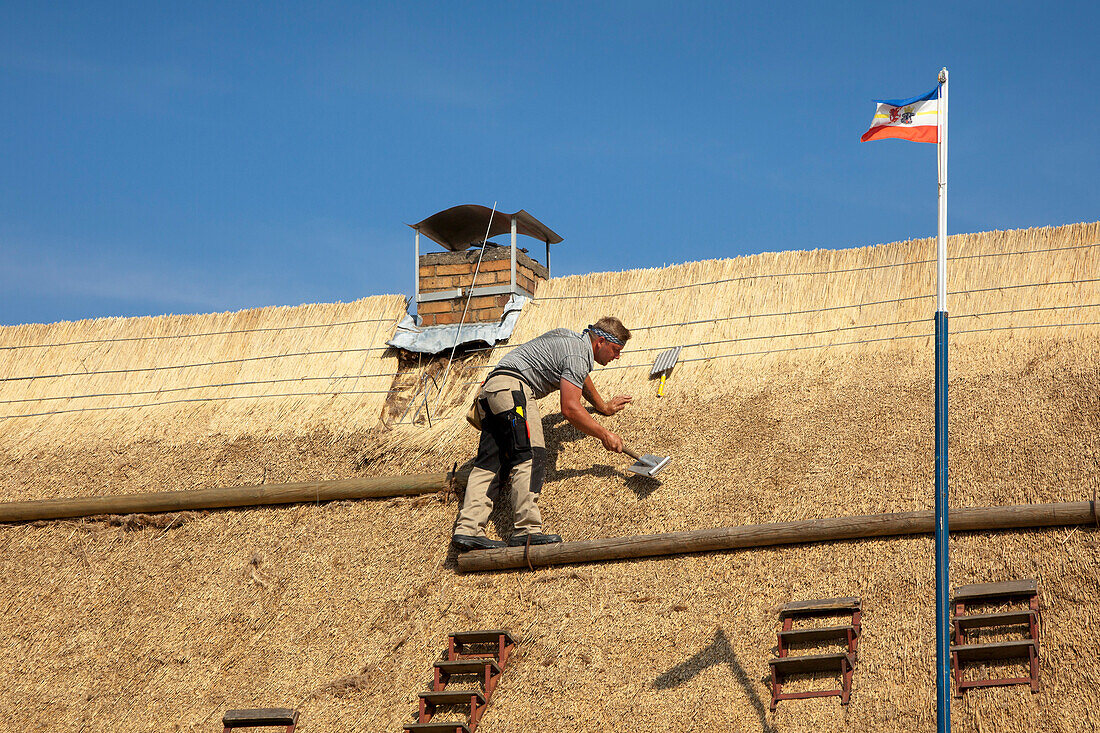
{"points": [[608, 336]]}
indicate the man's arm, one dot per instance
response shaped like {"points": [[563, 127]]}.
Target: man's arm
{"points": [[579, 418], [604, 408]]}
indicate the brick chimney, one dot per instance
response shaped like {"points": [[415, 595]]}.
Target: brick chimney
{"points": [[445, 280]]}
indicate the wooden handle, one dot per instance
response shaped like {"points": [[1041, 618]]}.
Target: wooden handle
{"points": [[631, 453]]}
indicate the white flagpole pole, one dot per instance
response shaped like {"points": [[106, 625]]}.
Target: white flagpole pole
{"points": [[941, 149], [943, 617]]}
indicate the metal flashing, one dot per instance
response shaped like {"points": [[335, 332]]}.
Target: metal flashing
{"points": [[435, 339], [460, 292], [459, 227]]}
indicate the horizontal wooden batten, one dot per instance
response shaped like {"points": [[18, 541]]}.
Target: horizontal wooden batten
{"points": [[234, 496], [780, 533]]}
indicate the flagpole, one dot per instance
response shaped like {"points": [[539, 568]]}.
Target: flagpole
{"points": [[943, 618], [941, 240]]}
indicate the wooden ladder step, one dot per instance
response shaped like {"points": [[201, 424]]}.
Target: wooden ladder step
{"points": [[819, 606], [440, 727], [833, 663], [467, 666], [823, 633], [260, 717], [994, 591], [987, 620], [495, 643], [996, 650], [838, 662], [486, 664], [453, 697], [486, 636]]}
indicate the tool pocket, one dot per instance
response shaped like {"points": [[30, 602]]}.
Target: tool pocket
{"points": [[517, 418], [504, 416], [473, 416]]}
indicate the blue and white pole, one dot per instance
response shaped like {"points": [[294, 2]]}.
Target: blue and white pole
{"points": [[943, 616]]}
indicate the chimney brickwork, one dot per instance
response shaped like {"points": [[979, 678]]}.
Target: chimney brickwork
{"points": [[448, 271]]}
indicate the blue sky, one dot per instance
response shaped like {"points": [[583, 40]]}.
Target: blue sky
{"points": [[181, 158]]}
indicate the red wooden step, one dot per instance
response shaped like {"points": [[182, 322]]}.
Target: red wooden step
{"points": [[840, 663], [819, 606], [467, 666], [444, 669], [991, 591], [481, 637], [440, 727], [260, 717], [1027, 650], [822, 633], [988, 620], [453, 697], [996, 650], [495, 643], [812, 663]]}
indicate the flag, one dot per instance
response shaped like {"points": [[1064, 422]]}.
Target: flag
{"points": [[909, 119]]}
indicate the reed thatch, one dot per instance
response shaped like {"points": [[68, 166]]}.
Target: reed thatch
{"points": [[819, 309], [267, 370], [340, 609]]}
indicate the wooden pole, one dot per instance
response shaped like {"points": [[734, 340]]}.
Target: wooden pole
{"points": [[781, 533], [233, 496]]}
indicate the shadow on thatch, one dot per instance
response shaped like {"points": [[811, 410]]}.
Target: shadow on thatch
{"points": [[557, 431], [642, 486], [718, 652]]}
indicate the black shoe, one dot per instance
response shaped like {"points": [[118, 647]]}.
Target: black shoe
{"points": [[538, 538], [464, 542]]}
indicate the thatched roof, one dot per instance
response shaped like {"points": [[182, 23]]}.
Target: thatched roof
{"points": [[340, 609], [276, 370]]}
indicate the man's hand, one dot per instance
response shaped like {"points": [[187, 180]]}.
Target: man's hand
{"points": [[618, 403], [579, 418]]}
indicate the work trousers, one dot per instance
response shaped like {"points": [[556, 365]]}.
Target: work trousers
{"points": [[511, 445]]}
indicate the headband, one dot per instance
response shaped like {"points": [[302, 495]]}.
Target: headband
{"points": [[604, 334]]}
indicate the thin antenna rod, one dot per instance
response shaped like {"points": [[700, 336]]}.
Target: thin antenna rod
{"points": [[469, 295]]}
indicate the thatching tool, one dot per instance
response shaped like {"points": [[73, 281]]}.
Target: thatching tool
{"points": [[647, 465], [663, 367]]}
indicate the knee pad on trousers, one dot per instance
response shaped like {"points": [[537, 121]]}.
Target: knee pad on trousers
{"points": [[538, 470]]}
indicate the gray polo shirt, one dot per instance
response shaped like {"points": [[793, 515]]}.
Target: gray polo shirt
{"points": [[554, 356]]}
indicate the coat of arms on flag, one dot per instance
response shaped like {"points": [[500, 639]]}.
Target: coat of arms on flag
{"points": [[908, 119]]}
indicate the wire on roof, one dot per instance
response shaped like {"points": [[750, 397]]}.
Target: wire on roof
{"points": [[199, 399], [622, 366], [155, 337], [741, 278], [511, 346]]}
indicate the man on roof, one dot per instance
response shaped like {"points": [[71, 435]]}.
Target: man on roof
{"points": [[512, 443]]}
